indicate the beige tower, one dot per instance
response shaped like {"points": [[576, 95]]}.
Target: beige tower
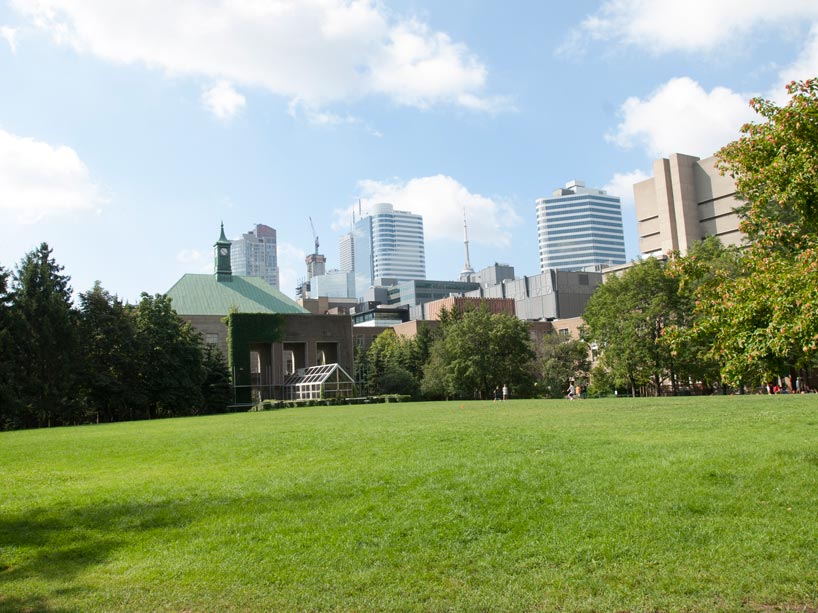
{"points": [[686, 200]]}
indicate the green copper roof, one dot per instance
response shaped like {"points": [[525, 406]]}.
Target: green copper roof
{"points": [[204, 295]]}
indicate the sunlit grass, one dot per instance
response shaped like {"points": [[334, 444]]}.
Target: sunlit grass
{"points": [[629, 505]]}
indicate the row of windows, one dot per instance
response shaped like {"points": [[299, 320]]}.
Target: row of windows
{"points": [[569, 201], [569, 248], [566, 229], [583, 238], [578, 215], [550, 253], [573, 206]]}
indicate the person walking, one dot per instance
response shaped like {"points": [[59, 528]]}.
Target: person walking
{"points": [[571, 390], [505, 392], [496, 393]]}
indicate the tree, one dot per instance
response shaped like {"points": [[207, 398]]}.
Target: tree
{"points": [[478, 351], [627, 317], [562, 359], [700, 273], [109, 383], [766, 320], [170, 357], [217, 393], [774, 167], [44, 341]]}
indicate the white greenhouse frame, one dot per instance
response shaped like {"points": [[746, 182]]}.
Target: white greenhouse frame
{"points": [[319, 382]]}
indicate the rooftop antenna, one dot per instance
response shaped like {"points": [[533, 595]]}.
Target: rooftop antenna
{"points": [[467, 269]]}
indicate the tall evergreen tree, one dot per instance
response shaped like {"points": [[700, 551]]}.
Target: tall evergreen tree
{"points": [[44, 341], [217, 392], [170, 358], [110, 383]]}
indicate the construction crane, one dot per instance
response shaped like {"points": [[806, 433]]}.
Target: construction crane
{"points": [[314, 236]]}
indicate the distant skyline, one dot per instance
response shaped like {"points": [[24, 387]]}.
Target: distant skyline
{"points": [[129, 131]]}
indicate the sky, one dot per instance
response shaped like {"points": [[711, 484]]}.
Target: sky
{"points": [[129, 130]]}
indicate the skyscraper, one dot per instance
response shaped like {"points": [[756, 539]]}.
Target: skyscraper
{"points": [[579, 227], [346, 248], [255, 254], [387, 245]]}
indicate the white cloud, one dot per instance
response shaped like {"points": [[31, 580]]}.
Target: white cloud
{"points": [[291, 267], [621, 184], [440, 200], [39, 180], [696, 25], [10, 36], [804, 67], [680, 116], [222, 100], [317, 51]]}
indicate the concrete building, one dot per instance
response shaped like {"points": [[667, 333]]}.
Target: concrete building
{"points": [[491, 275], [685, 201], [387, 244], [255, 254], [553, 294], [579, 228]]}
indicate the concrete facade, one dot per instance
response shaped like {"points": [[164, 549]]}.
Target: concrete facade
{"points": [[686, 200], [549, 295]]}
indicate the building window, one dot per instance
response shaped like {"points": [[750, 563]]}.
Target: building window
{"points": [[211, 338], [563, 332]]}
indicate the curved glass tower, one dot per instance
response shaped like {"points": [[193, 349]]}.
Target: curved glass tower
{"points": [[388, 244]]}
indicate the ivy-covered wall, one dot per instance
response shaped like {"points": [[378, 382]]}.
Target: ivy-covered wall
{"points": [[243, 330]]}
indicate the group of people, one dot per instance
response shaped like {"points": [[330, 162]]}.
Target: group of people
{"points": [[575, 391], [801, 387], [497, 393]]}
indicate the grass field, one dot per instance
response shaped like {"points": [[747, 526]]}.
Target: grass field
{"points": [[692, 504]]}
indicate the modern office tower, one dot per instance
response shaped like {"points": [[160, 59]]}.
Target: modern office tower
{"points": [[346, 248], [580, 228], [255, 254], [686, 200], [333, 284], [388, 244]]}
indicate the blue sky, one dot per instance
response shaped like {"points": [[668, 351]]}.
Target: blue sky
{"points": [[130, 130]]}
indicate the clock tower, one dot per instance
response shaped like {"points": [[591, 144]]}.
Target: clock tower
{"points": [[221, 251]]}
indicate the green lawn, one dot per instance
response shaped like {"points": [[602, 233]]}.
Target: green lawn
{"points": [[692, 504]]}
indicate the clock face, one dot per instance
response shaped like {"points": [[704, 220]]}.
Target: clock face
{"points": [[223, 250]]}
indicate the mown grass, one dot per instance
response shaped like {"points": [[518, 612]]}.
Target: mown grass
{"points": [[693, 504]]}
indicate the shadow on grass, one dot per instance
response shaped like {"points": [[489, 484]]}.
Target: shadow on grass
{"points": [[51, 548]]}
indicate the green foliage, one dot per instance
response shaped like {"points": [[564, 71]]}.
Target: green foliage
{"points": [[478, 351], [627, 317], [42, 330], [398, 380], [773, 165], [110, 385], [243, 329], [684, 504], [764, 321], [562, 360], [217, 393], [170, 359], [706, 268]]}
